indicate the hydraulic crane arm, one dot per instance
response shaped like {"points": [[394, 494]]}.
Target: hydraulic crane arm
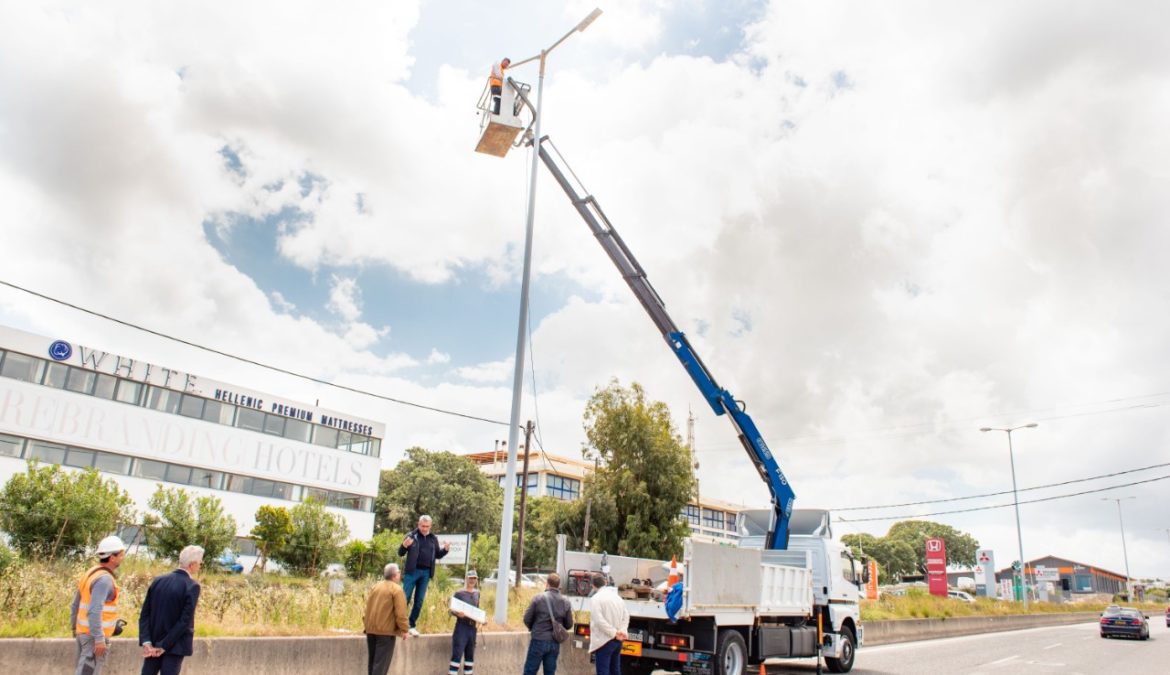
{"points": [[720, 400]]}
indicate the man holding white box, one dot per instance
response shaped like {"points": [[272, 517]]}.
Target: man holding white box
{"points": [[463, 637]]}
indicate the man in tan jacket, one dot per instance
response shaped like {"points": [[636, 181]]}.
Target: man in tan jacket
{"points": [[385, 619]]}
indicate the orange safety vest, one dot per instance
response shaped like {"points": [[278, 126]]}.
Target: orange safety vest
{"points": [[496, 79], [109, 609]]}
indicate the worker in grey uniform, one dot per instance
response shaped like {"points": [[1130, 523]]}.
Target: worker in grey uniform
{"points": [[94, 612]]}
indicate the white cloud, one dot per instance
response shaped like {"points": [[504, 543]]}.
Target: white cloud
{"points": [[496, 372], [345, 298], [438, 357]]}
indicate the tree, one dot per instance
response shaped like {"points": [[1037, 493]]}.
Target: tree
{"points": [[895, 558], [183, 521], [448, 487], [273, 528], [367, 558], [315, 541], [485, 553], [961, 547], [644, 479], [48, 511], [546, 517]]}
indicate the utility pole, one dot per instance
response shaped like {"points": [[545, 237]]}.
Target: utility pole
{"points": [[588, 508], [523, 503], [691, 448]]}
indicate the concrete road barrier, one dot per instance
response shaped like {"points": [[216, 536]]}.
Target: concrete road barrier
{"points": [[495, 654], [909, 630]]}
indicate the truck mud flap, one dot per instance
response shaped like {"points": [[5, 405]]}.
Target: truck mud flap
{"points": [[686, 663]]}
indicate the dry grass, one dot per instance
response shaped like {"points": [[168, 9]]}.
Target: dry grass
{"points": [[918, 604], [35, 599]]}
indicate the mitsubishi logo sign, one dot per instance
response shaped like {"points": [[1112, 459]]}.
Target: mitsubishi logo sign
{"points": [[984, 558]]}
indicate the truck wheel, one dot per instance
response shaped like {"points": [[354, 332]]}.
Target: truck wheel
{"points": [[731, 656], [848, 653]]}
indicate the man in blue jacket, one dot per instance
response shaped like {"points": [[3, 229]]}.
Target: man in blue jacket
{"points": [[166, 626], [422, 550]]}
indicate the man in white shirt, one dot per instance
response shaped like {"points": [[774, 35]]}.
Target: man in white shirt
{"points": [[609, 623]]}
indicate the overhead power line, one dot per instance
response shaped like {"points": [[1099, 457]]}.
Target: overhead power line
{"points": [[243, 359], [1003, 506], [1004, 492]]}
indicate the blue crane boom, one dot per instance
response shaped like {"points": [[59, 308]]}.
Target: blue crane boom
{"points": [[720, 400]]}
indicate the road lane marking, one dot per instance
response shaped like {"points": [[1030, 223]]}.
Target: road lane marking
{"points": [[1004, 660], [1053, 646]]}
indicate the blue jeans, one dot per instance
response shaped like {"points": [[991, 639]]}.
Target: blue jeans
{"points": [[608, 658], [542, 652], [416, 581]]}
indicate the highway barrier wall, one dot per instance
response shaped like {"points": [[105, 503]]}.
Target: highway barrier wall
{"points": [[908, 630], [495, 654]]}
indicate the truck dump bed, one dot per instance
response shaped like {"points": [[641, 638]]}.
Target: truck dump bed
{"points": [[729, 583]]}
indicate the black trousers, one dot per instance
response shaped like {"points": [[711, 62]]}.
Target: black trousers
{"points": [[167, 664], [496, 91], [381, 651]]}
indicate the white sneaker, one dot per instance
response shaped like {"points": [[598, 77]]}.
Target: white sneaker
{"points": [[413, 632]]}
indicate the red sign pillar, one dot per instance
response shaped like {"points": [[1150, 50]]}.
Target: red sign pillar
{"points": [[936, 566]]}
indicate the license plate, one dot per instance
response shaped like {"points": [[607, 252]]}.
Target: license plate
{"points": [[636, 636], [631, 648]]}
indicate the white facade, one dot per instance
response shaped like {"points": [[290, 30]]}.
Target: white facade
{"points": [[145, 425]]}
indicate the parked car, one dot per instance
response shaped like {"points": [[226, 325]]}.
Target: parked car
{"points": [[962, 596], [524, 582], [1125, 622]]}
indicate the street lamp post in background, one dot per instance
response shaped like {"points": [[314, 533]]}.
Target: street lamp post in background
{"points": [[501, 615], [1124, 553], [1016, 501]]}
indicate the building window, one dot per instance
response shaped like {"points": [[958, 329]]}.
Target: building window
{"points": [[149, 469], [1084, 583], [11, 446], [111, 463], [691, 513], [128, 392], [21, 367], [729, 525], [163, 400], [563, 487], [105, 386], [49, 453], [55, 375], [76, 457], [191, 406], [297, 430], [325, 437], [80, 381], [713, 519], [219, 413]]}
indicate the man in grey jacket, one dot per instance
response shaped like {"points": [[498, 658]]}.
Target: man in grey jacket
{"points": [[542, 611]]}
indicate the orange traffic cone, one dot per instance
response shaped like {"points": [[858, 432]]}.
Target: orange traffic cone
{"points": [[672, 577]]}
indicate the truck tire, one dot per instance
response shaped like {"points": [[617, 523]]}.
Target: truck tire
{"points": [[731, 655], [848, 653]]}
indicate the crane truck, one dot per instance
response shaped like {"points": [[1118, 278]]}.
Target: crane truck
{"points": [[788, 590]]}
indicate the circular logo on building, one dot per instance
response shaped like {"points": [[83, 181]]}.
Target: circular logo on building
{"points": [[60, 350]]}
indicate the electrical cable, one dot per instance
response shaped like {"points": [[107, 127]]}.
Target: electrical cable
{"points": [[243, 359], [1004, 506], [1003, 492]]}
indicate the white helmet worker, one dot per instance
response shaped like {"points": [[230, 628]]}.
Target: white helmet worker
{"points": [[110, 545]]}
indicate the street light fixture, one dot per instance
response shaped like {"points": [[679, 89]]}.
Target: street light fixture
{"points": [[501, 615], [1124, 553], [1016, 501]]}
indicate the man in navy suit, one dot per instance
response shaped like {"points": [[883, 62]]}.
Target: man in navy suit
{"points": [[167, 623]]}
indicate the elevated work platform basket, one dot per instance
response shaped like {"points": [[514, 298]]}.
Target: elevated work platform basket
{"points": [[498, 130]]}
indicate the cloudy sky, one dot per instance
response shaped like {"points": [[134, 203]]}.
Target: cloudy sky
{"points": [[883, 226]]}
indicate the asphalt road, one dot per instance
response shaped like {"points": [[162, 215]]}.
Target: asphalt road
{"points": [[1069, 650]]}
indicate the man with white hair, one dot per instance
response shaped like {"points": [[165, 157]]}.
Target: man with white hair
{"points": [[422, 550], [166, 626], [384, 620]]}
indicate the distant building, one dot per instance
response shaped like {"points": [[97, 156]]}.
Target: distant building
{"points": [[562, 477], [143, 425], [1073, 577]]}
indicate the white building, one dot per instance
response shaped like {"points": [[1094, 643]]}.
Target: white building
{"points": [[144, 425], [562, 477]]}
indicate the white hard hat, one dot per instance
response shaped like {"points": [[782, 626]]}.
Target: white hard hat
{"points": [[110, 545]]}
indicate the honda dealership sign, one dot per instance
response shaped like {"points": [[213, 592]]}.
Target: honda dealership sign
{"points": [[936, 566]]}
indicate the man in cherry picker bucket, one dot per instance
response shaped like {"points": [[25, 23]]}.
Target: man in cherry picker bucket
{"points": [[496, 82]]}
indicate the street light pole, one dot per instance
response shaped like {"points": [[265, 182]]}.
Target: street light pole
{"points": [[1016, 501], [505, 560], [1124, 553]]}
